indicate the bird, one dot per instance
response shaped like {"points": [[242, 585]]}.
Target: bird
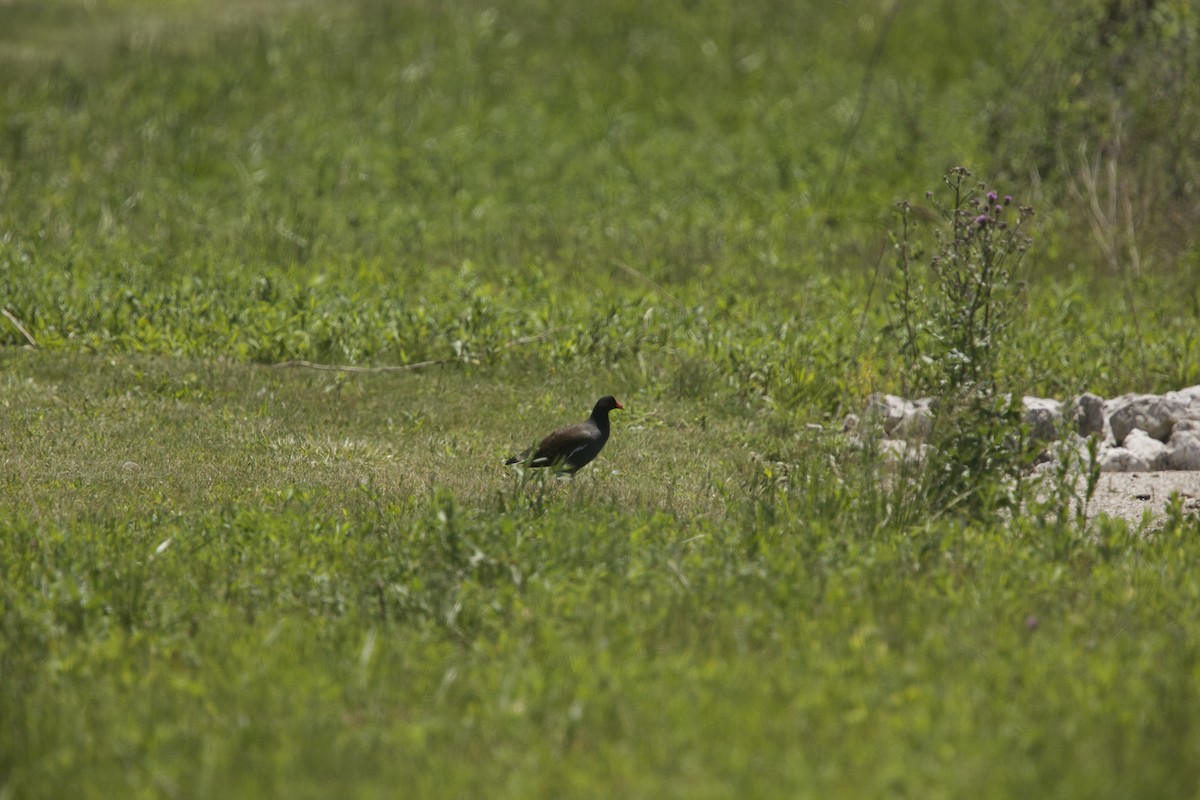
{"points": [[572, 448]]}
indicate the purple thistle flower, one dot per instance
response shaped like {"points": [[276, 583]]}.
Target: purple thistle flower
{"points": [[1007, 199], [991, 197], [981, 220]]}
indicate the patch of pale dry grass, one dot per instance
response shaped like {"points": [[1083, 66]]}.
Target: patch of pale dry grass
{"points": [[84, 434]]}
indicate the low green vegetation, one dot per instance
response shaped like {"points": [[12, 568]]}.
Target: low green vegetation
{"points": [[258, 582], [226, 574]]}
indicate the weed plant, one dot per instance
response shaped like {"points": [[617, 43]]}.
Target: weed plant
{"points": [[954, 310], [953, 307]]}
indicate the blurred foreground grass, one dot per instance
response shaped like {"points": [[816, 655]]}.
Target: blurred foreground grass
{"points": [[245, 581]]}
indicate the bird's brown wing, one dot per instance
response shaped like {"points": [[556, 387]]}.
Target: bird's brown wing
{"points": [[565, 445]]}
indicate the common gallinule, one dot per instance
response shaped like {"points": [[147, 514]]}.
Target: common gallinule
{"points": [[572, 448]]}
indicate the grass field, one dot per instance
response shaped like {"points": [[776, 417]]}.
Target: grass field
{"points": [[224, 576]]}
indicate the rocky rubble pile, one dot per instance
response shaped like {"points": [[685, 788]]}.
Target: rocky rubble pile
{"points": [[1137, 432]]}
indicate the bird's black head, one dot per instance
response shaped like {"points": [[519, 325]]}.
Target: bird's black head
{"points": [[605, 405]]}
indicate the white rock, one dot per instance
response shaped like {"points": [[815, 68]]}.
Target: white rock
{"points": [[1152, 451], [1139, 432], [1118, 459], [1044, 416], [1112, 406], [1190, 399], [917, 423], [886, 409], [1183, 448], [1154, 414], [1087, 411], [1072, 446], [901, 418]]}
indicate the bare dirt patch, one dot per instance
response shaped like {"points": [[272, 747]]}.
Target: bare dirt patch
{"points": [[1130, 495]]}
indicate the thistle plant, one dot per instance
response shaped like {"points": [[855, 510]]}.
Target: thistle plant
{"points": [[952, 306], [956, 306]]}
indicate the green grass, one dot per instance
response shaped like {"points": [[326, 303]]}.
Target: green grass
{"points": [[254, 582], [223, 577]]}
